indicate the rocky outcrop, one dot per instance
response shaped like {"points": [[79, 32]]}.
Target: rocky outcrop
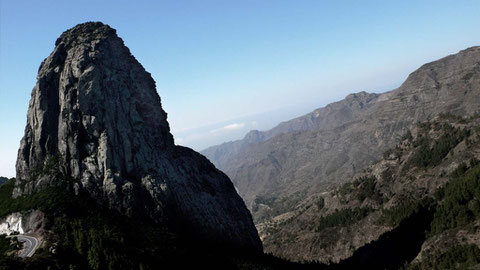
{"points": [[12, 224], [96, 124], [31, 222]]}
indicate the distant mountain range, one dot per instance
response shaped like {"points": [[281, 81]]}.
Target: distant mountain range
{"points": [[275, 170]]}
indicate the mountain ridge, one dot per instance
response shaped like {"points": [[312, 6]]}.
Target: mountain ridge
{"points": [[284, 168], [309, 121]]}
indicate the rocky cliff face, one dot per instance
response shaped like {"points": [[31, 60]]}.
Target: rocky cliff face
{"points": [[96, 124], [30, 222], [310, 154]]}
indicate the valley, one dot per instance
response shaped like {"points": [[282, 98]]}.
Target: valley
{"points": [[297, 178]]}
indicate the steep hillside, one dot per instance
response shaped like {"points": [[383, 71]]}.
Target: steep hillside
{"points": [[77, 233], [419, 204], [274, 175]]}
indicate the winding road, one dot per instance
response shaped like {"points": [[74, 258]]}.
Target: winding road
{"points": [[30, 245]]}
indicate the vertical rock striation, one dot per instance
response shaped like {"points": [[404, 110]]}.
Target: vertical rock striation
{"points": [[95, 122]]}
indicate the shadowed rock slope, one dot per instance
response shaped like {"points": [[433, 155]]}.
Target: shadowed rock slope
{"points": [[275, 170], [96, 126]]}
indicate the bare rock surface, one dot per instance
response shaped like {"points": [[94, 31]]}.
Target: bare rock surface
{"points": [[31, 222], [95, 121]]}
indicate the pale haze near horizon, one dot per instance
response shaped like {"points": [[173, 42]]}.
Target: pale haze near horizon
{"points": [[223, 68]]}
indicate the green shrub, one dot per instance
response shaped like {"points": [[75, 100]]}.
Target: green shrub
{"points": [[362, 188], [431, 153], [7, 245], [320, 203], [407, 136], [49, 200], [344, 217], [460, 202], [346, 189], [394, 216], [460, 170], [367, 188]]}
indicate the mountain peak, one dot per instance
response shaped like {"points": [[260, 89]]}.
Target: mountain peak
{"points": [[361, 96], [356, 95], [85, 32], [96, 125]]}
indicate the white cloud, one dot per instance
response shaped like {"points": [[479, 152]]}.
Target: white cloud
{"points": [[230, 127]]}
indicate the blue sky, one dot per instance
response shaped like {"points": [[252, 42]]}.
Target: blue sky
{"points": [[225, 67]]}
